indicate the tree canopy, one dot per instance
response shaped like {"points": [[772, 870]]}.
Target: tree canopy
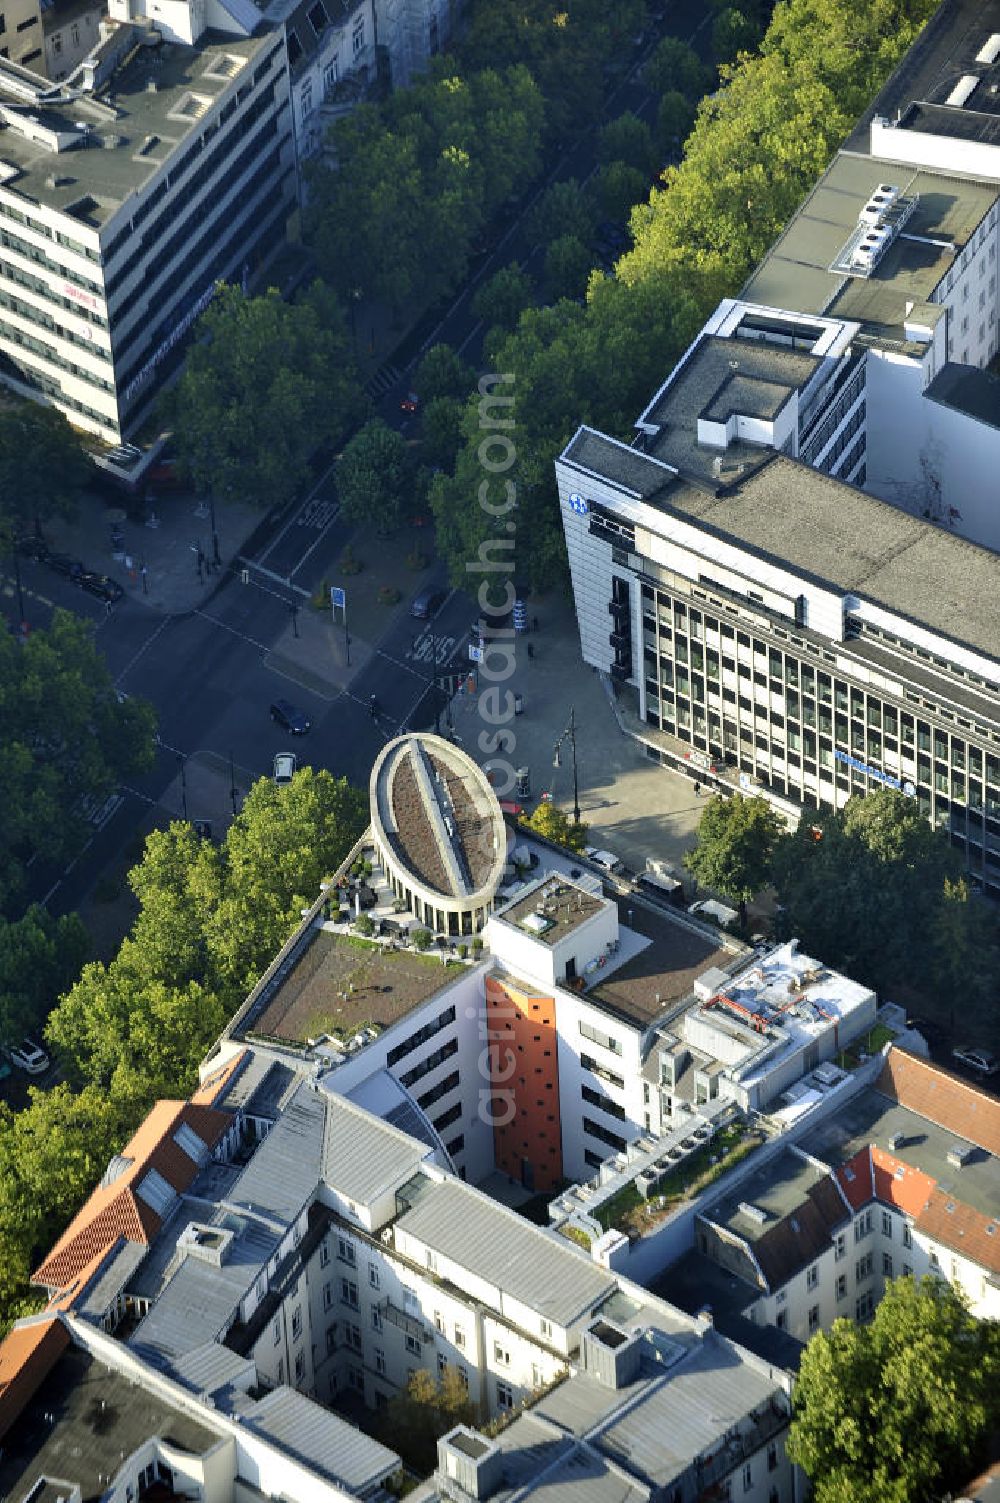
{"points": [[880, 894], [39, 958], [554, 824], [500, 301], [757, 145], [64, 739], [736, 841], [371, 476], [42, 466], [265, 384], [416, 179], [897, 1410]]}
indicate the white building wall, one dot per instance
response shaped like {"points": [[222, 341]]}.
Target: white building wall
{"points": [[923, 455], [921, 149], [571, 1011]]}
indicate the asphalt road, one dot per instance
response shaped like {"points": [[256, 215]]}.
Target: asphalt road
{"points": [[207, 672]]}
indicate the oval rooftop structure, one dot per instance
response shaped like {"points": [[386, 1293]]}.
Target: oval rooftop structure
{"points": [[439, 831]]}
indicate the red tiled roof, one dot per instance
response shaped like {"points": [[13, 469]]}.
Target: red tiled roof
{"points": [[115, 1210], [964, 1230], [957, 1105], [855, 1179], [214, 1085], [900, 1185], [27, 1356]]}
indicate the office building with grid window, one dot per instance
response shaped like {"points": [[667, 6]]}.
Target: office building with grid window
{"points": [[163, 165], [785, 632]]}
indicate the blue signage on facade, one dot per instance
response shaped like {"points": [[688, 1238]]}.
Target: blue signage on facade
{"points": [[578, 504], [875, 772]]}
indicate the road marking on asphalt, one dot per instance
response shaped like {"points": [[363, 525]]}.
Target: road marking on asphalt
{"points": [[398, 662], [318, 512], [145, 646], [249, 563], [226, 627], [423, 649]]}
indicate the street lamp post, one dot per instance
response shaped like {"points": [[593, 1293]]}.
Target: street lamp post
{"points": [[569, 734], [216, 555], [293, 611], [232, 783], [20, 591], [184, 791]]}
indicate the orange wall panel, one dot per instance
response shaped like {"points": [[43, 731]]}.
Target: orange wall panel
{"points": [[524, 1073]]}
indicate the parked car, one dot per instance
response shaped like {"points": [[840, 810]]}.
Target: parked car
{"points": [[981, 1060], [410, 402], [511, 807], [710, 908], [427, 604], [63, 563], [285, 764], [607, 859], [101, 585], [28, 1057], [289, 717]]}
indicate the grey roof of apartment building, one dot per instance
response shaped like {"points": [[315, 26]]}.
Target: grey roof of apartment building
{"points": [[208, 1369], [321, 1440], [796, 272], [261, 1085], [786, 1210], [718, 378], [830, 532], [871, 1118], [668, 1418], [141, 116], [83, 1418], [198, 1300], [286, 1168], [967, 389], [628, 468], [112, 1277], [530, 1265], [696, 1283], [363, 1156]]}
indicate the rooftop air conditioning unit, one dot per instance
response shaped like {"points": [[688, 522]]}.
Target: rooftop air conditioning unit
{"points": [[754, 1213], [959, 1154], [896, 1141]]}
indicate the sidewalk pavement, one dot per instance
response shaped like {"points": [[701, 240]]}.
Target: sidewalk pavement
{"points": [[631, 805], [163, 539]]}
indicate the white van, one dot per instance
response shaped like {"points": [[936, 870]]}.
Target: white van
{"points": [[607, 859], [709, 908], [663, 888]]}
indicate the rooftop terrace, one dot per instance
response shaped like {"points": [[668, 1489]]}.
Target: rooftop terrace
{"points": [[553, 909], [341, 984]]}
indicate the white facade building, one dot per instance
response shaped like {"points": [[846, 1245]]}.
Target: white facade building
{"points": [[164, 165]]}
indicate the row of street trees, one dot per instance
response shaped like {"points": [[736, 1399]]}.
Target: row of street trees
{"points": [[757, 145]]}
